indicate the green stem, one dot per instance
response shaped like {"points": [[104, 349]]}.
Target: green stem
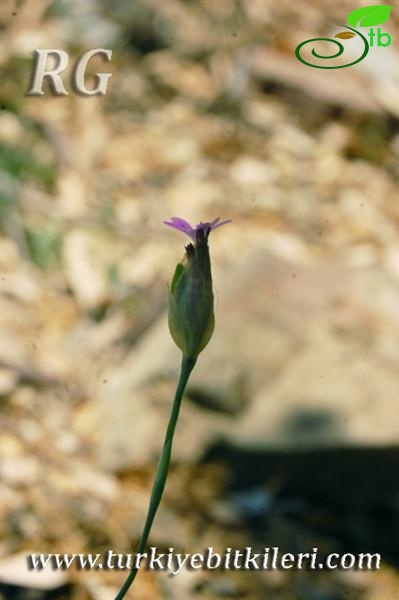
{"points": [[162, 470]]}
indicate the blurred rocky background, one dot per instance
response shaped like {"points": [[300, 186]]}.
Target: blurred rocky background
{"points": [[288, 434]]}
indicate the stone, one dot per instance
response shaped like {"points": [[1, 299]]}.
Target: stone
{"points": [[301, 355]]}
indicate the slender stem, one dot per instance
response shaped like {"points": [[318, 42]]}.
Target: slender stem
{"points": [[162, 470]]}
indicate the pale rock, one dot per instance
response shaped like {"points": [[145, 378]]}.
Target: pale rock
{"points": [[14, 571], [142, 266], [94, 482], [249, 170], [334, 136], [67, 442], [85, 273], [11, 500], [20, 470], [11, 129], [72, 193], [8, 381], [10, 446], [392, 261], [306, 382], [294, 141], [362, 255], [21, 286], [30, 431]]}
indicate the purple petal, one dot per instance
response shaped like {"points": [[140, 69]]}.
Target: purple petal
{"points": [[215, 223], [185, 227], [182, 222], [180, 225]]}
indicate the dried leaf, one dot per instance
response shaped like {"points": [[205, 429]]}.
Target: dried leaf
{"points": [[345, 35]]}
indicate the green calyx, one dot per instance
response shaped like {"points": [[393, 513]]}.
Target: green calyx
{"points": [[191, 316]]}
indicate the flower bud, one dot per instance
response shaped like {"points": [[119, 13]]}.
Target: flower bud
{"points": [[191, 317]]}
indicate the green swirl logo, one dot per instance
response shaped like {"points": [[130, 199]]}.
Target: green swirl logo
{"points": [[367, 16]]}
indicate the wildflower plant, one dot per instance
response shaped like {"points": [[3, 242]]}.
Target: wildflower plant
{"points": [[191, 324]]}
